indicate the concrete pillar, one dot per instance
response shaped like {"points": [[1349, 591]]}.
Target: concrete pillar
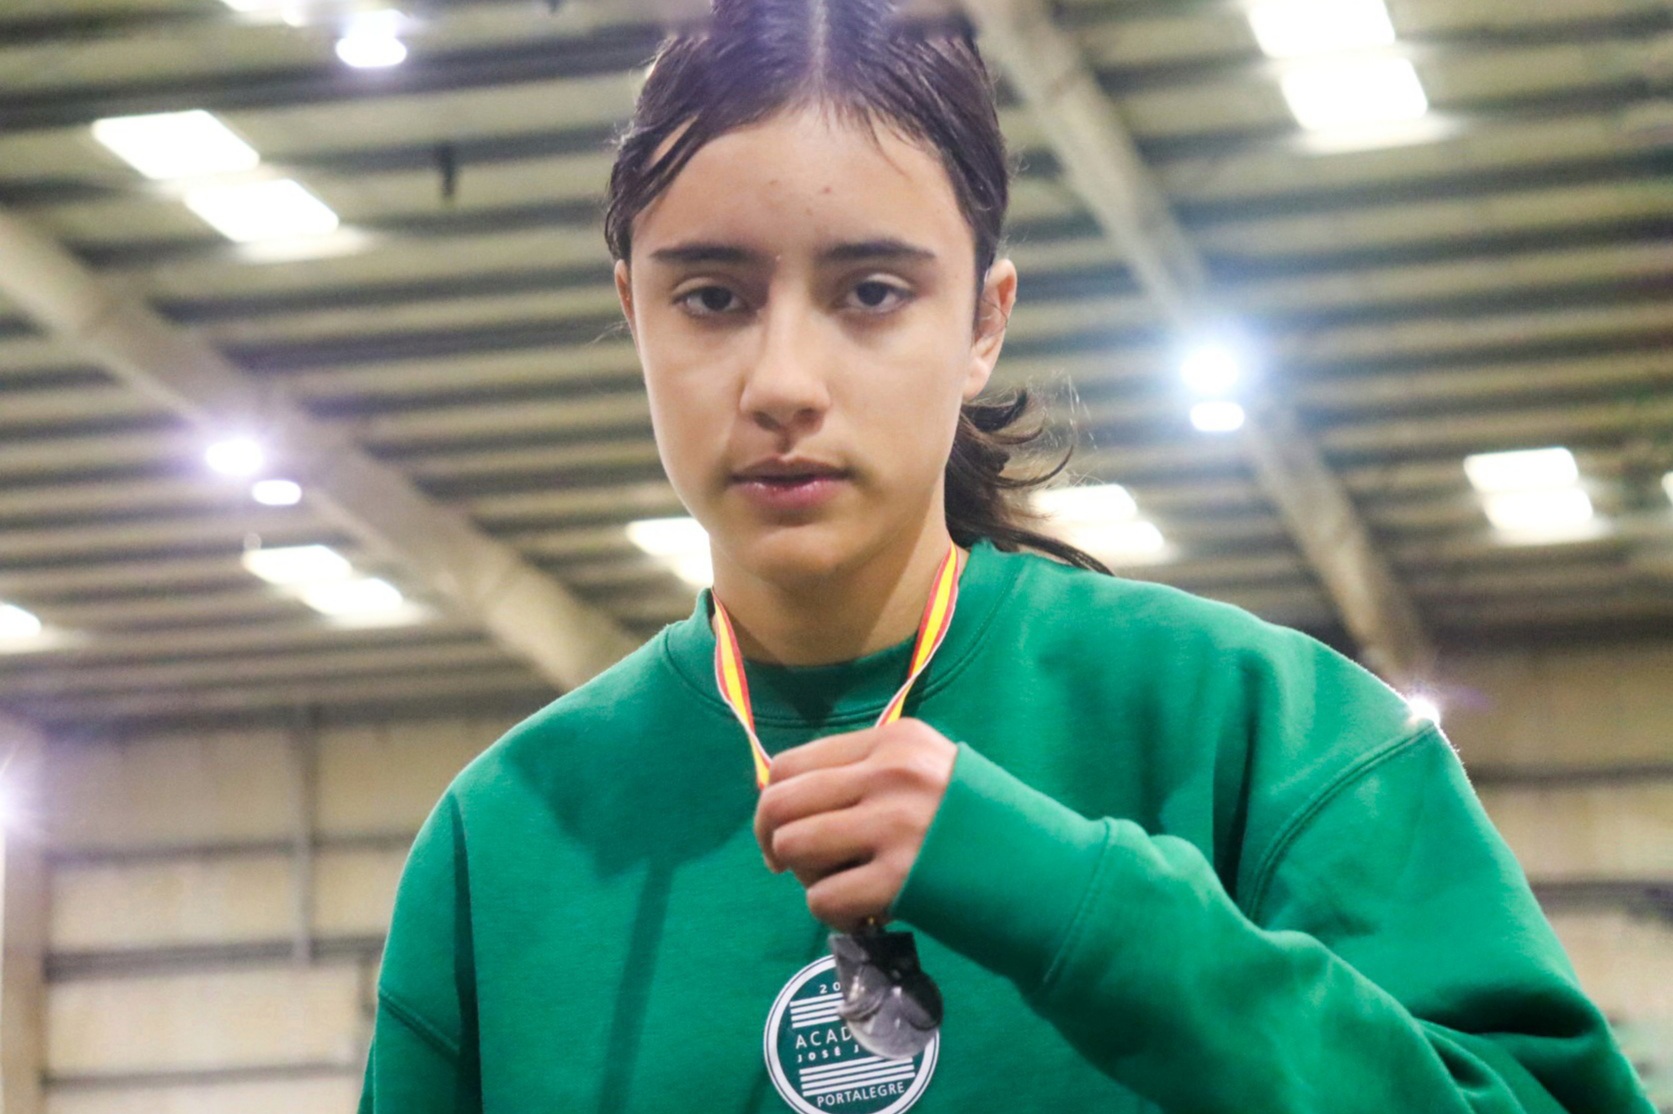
{"points": [[23, 915]]}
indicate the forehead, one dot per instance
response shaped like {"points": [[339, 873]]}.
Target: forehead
{"points": [[803, 178]]}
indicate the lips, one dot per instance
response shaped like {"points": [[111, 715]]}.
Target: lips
{"points": [[789, 485], [788, 471]]}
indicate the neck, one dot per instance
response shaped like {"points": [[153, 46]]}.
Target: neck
{"points": [[848, 614]]}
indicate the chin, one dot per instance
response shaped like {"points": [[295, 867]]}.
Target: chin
{"points": [[793, 556]]}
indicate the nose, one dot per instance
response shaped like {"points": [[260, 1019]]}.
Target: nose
{"points": [[785, 388]]}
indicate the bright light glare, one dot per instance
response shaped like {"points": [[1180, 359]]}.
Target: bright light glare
{"points": [[1564, 514], [175, 144], [1135, 542], [371, 42], [1103, 520], [363, 596], [1086, 503], [668, 537], [1293, 28], [1212, 369], [1667, 486], [236, 456], [16, 624], [680, 543], [1217, 417], [695, 568], [299, 564], [276, 493], [254, 211], [1329, 95], [1521, 470], [1424, 707]]}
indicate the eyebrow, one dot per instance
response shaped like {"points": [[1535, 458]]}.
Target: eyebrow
{"points": [[887, 249]]}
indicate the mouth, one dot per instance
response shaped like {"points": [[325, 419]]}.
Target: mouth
{"points": [[788, 473], [790, 486]]}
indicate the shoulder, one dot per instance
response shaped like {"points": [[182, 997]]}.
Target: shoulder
{"points": [[1205, 667], [617, 703], [1163, 620]]}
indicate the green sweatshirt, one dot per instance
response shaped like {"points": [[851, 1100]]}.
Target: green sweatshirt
{"points": [[1188, 862]]}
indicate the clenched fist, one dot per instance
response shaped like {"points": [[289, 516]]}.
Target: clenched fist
{"points": [[846, 815]]}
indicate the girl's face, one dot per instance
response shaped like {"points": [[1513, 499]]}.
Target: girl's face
{"points": [[803, 299]]}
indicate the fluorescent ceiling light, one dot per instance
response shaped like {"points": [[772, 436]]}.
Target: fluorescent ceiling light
{"points": [[236, 456], [328, 245], [299, 564], [1667, 486], [262, 210], [1531, 517], [361, 597], [1293, 28], [176, 144], [668, 537], [372, 42], [1103, 520], [1134, 542], [1329, 95], [680, 543], [276, 493], [17, 625], [695, 568], [1521, 470], [1217, 417], [1212, 369], [1085, 503]]}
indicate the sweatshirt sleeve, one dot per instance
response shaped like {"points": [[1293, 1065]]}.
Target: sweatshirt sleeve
{"points": [[423, 1054], [1421, 977]]}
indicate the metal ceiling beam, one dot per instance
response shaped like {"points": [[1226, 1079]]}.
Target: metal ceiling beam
{"points": [[1101, 162], [526, 611]]}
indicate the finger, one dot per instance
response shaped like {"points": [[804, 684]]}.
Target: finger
{"points": [[847, 899], [832, 750], [817, 791], [826, 843]]}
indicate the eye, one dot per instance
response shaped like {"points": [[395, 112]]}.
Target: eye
{"points": [[875, 294], [708, 301]]}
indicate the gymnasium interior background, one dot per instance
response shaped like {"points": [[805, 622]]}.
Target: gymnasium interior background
{"points": [[322, 459]]}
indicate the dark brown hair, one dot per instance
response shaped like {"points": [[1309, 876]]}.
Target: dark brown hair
{"points": [[925, 80]]}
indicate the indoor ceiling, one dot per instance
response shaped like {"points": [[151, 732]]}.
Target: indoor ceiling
{"points": [[1499, 279]]}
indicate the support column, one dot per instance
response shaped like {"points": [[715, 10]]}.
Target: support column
{"points": [[23, 920]]}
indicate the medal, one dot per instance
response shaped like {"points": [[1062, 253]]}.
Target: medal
{"points": [[891, 1005]]}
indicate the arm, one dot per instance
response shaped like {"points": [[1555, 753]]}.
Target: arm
{"points": [[422, 1059], [1415, 974]]}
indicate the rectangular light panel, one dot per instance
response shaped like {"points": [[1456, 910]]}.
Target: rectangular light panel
{"points": [[1083, 503], [18, 625], [1563, 514], [1521, 470], [254, 211], [360, 597], [1329, 96], [1103, 520], [176, 144], [680, 543], [1296, 28], [298, 564]]}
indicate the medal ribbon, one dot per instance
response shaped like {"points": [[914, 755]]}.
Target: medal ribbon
{"points": [[932, 631]]}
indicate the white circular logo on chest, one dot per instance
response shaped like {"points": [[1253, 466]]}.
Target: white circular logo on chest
{"points": [[817, 1065]]}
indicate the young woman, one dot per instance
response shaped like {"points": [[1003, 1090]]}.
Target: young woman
{"points": [[1160, 856]]}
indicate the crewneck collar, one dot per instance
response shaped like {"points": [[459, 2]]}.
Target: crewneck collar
{"points": [[851, 692]]}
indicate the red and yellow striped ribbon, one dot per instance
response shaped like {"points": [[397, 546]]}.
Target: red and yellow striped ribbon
{"points": [[932, 631]]}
